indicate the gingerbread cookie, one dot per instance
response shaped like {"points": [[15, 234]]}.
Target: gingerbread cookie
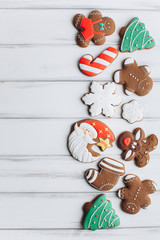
{"points": [[92, 67], [100, 214], [94, 28], [135, 195], [102, 99], [134, 78], [107, 177], [137, 146], [132, 111], [135, 36], [87, 133]]}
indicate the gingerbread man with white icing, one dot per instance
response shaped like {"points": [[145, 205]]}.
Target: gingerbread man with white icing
{"points": [[94, 28], [135, 195]]}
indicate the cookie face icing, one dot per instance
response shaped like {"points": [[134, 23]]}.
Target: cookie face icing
{"points": [[132, 111], [100, 214], [92, 67], [135, 195], [102, 99], [107, 177], [94, 28], [134, 78], [136, 146], [135, 36], [87, 133]]}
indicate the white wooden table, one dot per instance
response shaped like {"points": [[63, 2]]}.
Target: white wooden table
{"points": [[42, 188]]}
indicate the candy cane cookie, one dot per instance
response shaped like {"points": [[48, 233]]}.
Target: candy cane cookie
{"points": [[92, 67]]}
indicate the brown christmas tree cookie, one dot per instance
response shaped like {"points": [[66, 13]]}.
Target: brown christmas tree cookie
{"points": [[135, 195], [107, 177], [136, 146], [134, 78], [87, 133], [94, 28]]}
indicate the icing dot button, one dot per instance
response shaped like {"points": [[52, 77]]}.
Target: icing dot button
{"points": [[96, 215]]}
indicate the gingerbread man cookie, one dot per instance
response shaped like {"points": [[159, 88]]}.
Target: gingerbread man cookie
{"points": [[94, 28], [135, 195], [134, 78], [137, 146], [108, 176], [100, 214], [135, 36], [87, 133]]}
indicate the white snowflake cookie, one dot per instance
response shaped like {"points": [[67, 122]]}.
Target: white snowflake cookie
{"points": [[133, 111], [102, 99]]}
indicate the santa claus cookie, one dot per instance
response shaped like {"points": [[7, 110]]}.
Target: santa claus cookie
{"points": [[87, 133], [100, 214], [135, 36], [135, 195], [107, 177], [134, 78], [102, 99], [94, 28], [136, 146]]}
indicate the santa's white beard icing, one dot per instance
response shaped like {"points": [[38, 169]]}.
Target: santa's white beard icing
{"points": [[78, 142]]}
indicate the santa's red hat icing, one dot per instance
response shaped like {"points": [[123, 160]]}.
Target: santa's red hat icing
{"points": [[98, 129]]}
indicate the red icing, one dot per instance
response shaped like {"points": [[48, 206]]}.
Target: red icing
{"points": [[126, 141], [88, 31], [101, 199], [96, 215]]}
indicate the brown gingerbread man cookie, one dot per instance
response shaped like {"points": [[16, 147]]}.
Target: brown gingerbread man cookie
{"points": [[107, 177], [94, 28], [135, 195], [136, 146], [134, 78]]}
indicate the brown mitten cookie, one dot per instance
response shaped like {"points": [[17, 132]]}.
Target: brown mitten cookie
{"points": [[94, 28], [87, 133], [107, 177], [135, 194], [134, 78], [136, 146]]}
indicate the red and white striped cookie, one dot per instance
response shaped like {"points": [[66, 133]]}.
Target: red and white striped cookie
{"points": [[92, 67]]}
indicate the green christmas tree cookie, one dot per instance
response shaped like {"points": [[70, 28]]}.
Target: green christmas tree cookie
{"points": [[135, 36], [100, 214]]}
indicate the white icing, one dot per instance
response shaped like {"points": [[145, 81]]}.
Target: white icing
{"points": [[111, 168], [119, 193], [133, 111], [129, 176], [128, 61], [113, 162], [117, 76], [77, 145], [128, 154], [102, 99], [128, 92], [154, 184], [90, 127], [148, 69], [89, 174], [138, 135], [94, 177]]}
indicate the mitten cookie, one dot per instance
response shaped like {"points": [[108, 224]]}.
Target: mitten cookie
{"points": [[102, 99], [135, 36], [135, 194], [134, 78], [94, 28], [87, 133], [108, 176], [100, 214], [92, 67], [137, 146]]}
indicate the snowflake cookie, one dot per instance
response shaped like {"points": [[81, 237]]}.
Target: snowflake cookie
{"points": [[102, 99], [132, 111]]}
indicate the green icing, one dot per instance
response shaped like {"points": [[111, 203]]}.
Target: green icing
{"points": [[136, 37], [101, 215]]}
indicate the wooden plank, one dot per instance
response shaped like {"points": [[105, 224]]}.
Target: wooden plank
{"points": [[133, 4], [64, 210], [31, 27], [49, 137], [61, 174], [43, 63], [46, 100]]}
